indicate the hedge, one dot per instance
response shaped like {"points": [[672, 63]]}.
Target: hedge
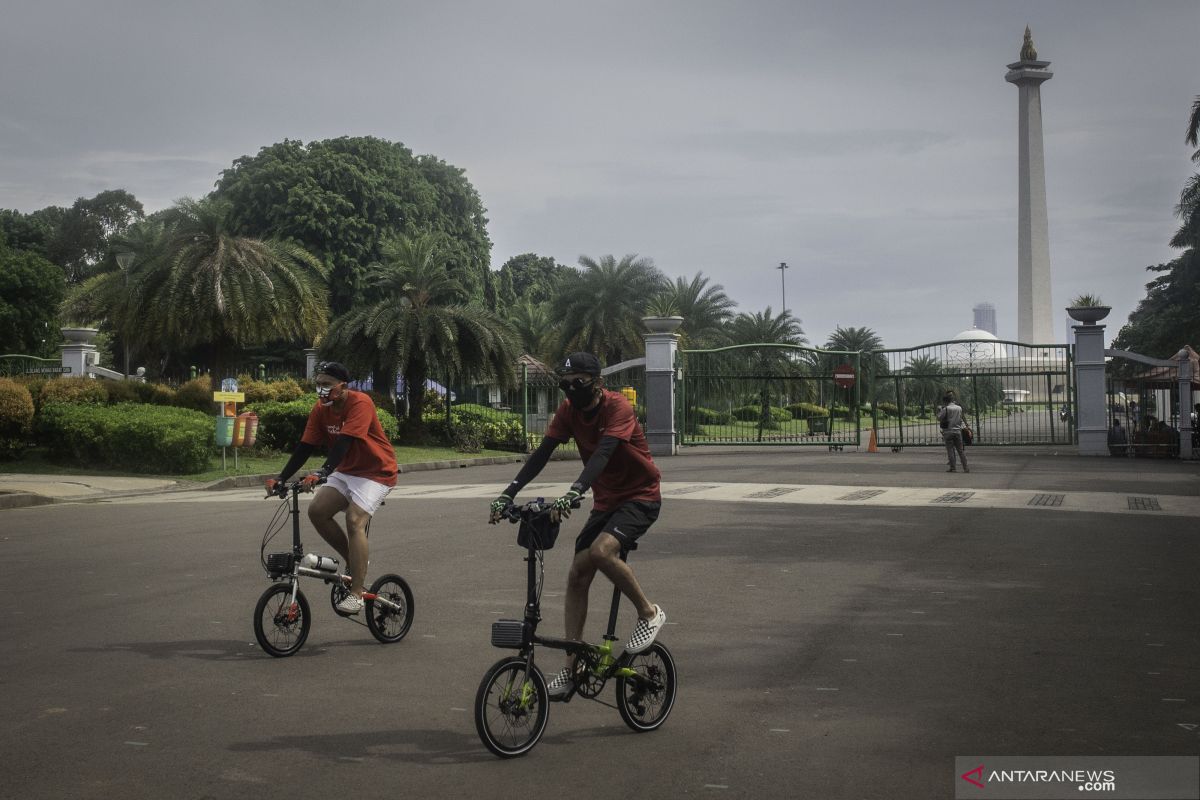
{"points": [[73, 390], [804, 410], [133, 437], [707, 416], [16, 418], [753, 413]]}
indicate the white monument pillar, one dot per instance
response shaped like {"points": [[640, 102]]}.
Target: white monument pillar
{"points": [[661, 345], [1034, 317]]}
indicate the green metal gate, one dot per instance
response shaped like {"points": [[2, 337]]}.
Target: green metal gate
{"points": [[766, 394], [1011, 393]]}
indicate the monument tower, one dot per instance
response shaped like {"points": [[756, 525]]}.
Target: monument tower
{"points": [[1034, 316]]}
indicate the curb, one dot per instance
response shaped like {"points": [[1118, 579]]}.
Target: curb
{"points": [[27, 499]]}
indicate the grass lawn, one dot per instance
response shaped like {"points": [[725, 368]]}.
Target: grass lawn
{"points": [[34, 462]]}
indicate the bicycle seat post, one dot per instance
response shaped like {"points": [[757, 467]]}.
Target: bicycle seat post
{"points": [[610, 634]]}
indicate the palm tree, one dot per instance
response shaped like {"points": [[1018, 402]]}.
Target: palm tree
{"points": [[872, 363], [705, 309], [421, 326], [767, 363], [924, 382], [535, 328], [601, 310], [194, 283], [1193, 128]]}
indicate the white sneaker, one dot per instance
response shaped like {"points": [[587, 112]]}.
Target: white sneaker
{"points": [[645, 631], [560, 684], [350, 604]]}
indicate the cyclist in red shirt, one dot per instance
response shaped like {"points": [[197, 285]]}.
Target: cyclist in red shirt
{"points": [[360, 470], [625, 489]]}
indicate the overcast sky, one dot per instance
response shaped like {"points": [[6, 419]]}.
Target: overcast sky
{"points": [[870, 145]]}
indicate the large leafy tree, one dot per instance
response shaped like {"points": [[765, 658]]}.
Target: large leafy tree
{"points": [[30, 291], [529, 277], [600, 309], [705, 309], [421, 325], [1166, 319], [343, 198], [194, 283], [535, 328]]}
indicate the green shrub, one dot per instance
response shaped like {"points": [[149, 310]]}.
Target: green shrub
{"points": [[803, 410], [132, 437], [752, 414], [157, 394], [78, 391], [887, 409], [283, 390], [280, 425], [34, 384], [16, 418], [470, 433], [121, 392], [707, 416], [197, 395]]}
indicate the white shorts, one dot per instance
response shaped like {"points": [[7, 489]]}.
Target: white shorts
{"points": [[363, 492]]}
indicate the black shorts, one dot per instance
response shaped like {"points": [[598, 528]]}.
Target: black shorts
{"points": [[626, 523]]}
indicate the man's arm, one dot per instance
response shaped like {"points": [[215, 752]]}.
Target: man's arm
{"points": [[596, 464], [301, 454], [533, 465]]}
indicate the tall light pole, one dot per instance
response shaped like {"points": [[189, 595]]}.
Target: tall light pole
{"points": [[783, 282], [125, 261]]}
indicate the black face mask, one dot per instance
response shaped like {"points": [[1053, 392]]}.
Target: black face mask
{"points": [[580, 393]]}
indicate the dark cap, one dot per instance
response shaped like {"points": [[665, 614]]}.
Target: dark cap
{"points": [[333, 369], [586, 363]]}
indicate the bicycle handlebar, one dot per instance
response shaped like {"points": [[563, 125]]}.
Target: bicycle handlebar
{"points": [[515, 513], [283, 487]]}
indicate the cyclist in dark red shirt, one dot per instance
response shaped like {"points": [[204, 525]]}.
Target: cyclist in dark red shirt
{"points": [[625, 490], [360, 470]]}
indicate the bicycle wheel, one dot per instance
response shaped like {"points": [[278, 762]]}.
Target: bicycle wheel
{"points": [[511, 707], [391, 619], [280, 625], [645, 701]]}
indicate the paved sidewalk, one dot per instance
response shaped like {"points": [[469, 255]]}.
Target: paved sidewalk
{"points": [[20, 491]]}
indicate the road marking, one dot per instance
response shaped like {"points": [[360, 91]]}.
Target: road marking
{"points": [[791, 494]]}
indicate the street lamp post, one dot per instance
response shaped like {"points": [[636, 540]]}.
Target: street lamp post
{"points": [[782, 282], [125, 261]]}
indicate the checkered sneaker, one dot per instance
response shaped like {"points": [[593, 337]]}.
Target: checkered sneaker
{"points": [[645, 631], [560, 684], [350, 604]]}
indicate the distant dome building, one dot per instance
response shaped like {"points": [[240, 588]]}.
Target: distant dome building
{"points": [[977, 348]]}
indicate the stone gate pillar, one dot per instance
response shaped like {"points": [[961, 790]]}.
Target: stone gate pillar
{"points": [[78, 352], [1184, 359], [310, 362], [1091, 414], [661, 345]]}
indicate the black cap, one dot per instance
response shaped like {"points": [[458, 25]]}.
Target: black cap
{"points": [[580, 362], [333, 369]]}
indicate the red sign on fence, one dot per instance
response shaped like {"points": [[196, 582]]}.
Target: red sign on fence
{"points": [[843, 376]]}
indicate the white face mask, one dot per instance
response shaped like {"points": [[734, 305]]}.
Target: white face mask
{"points": [[326, 394]]}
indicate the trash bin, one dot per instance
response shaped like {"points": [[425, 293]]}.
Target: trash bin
{"points": [[818, 425], [224, 434], [248, 421]]}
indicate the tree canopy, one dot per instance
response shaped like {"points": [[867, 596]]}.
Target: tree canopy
{"points": [[342, 198], [30, 291]]}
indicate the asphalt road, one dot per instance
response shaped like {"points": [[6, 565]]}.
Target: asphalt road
{"points": [[824, 651]]}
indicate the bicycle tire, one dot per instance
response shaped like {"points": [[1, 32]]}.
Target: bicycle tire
{"points": [[280, 629], [510, 726], [644, 704], [390, 625]]}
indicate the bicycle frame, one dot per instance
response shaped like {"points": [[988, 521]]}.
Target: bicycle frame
{"points": [[299, 571]]}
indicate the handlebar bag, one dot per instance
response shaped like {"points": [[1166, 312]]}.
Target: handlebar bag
{"points": [[538, 532]]}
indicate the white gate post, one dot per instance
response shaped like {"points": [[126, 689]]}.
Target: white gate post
{"points": [[310, 361], [1089, 390], [1184, 359], [78, 352], [661, 344]]}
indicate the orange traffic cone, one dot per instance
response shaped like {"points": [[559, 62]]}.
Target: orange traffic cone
{"points": [[871, 446]]}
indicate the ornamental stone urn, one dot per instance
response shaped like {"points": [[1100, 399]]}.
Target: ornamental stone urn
{"points": [[1088, 315], [662, 324], [79, 335]]}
